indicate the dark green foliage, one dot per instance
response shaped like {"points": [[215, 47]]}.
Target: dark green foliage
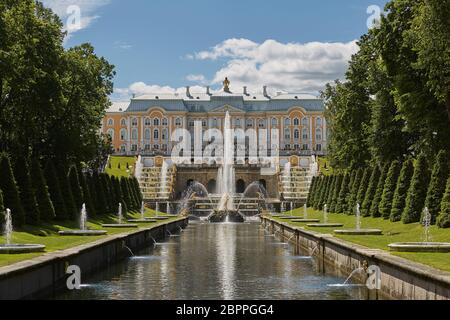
{"points": [[26, 192], [417, 192], [134, 195], [351, 202], [443, 220], [318, 191], [46, 209], [138, 190], [374, 208], [363, 185], [312, 189], [341, 203], [75, 186], [390, 184], [66, 190], [119, 195], [401, 190], [2, 209], [126, 193], [438, 181], [329, 196], [55, 191], [98, 189], [11, 198], [336, 191], [87, 197], [370, 192], [326, 186]]}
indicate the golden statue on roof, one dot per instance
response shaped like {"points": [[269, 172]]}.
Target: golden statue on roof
{"points": [[226, 85]]}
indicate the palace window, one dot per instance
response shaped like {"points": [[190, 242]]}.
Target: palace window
{"points": [[287, 134], [319, 122], [305, 122], [214, 122], [147, 147], [156, 134], [274, 122], [287, 122], [204, 123], [178, 122], [134, 122], [296, 147], [238, 122], [319, 147], [110, 122], [123, 122], [156, 122], [305, 147], [111, 133], [123, 148], [305, 134], [296, 122], [165, 122], [164, 134], [249, 123], [164, 147], [191, 123], [134, 147], [319, 134], [296, 134], [134, 134], [147, 134], [123, 135], [262, 123], [156, 147], [148, 122]]}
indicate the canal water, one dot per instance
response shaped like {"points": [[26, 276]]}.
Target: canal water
{"points": [[220, 262]]}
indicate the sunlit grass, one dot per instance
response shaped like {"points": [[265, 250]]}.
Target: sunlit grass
{"points": [[123, 171], [392, 232]]}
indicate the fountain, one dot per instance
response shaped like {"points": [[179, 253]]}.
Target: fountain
{"points": [[305, 217], [325, 223], [158, 216], [226, 210], [358, 231], [143, 219], [427, 245], [11, 248], [120, 219], [84, 231]]}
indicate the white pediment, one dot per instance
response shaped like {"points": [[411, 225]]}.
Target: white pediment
{"points": [[226, 108]]}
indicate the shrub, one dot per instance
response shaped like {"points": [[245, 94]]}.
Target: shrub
{"points": [[363, 185], [26, 192], [312, 187], [2, 209], [75, 186], [126, 196], [97, 188], [46, 208], [11, 198], [374, 208], [341, 203], [351, 202], [443, 219], [64, 183], [417, 192], [318, 192], [437, 185], [329, 196], [370, 192], [87, 197], [401, 190], [55, 191], [390, 184], [336, 191]]}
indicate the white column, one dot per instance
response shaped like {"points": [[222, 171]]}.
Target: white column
{"points": [[311, 132]]}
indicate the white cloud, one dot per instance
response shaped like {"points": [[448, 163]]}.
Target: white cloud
{"points": [[76, 14], [199, 78], [141, 88], [122, 45], [304, 67]]}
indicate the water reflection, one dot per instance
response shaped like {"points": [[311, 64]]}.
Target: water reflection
{"points": [[217, 261]]}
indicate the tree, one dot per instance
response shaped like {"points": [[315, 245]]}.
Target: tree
{"points": [[311, 193], [26, 192], [417, 192], [77, 193], [8, 185], [336, 192], [55, 191], [390, 184], [326, 186], [443, 219], [46, 208], [318, 192], [64, 183], [371, 190], [341, 203], [126, 196], [87, 198], [119, 194], [138, 190], [363, 185], [98, 188], [2, 209], [438, 180], [401, 190], [329, 195], [374, 208], [109, 192], [351, 203]]}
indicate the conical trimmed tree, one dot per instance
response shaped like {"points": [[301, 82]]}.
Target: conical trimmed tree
{"points": [[443, 220], [75, 186], [370, 192], [98, 192], [64, 183], [134, 197], [26, 192], [326, 186], [417, 192], [318, 191], [138, 190], [351, 204], [87, 198], [437, 186], [2, 209], [390, 184], [329, 196], [55, 191], [119, 194], [401, 190], [312, 188], [11, 198], [341, 203], [126, 193], [336, 191], [46, 208], [363, 185], [374, 208]]}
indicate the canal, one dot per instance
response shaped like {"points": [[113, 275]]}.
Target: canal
{"points": [[217, 261]]}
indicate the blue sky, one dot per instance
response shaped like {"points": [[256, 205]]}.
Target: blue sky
{"points": [[164, 45]]}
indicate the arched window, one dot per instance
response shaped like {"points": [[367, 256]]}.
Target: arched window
{"points": [[305, 134], [274, 122], [319, 122], [134, 122], [123, 135], [178, 122], [296, 122], [156, 122], [164, 135], [249, 123], [147, 134], [156, 134], [165, 122], [287, 122], [110, 122], [305, 122], [287, 134], [134, 134], [262, 123], [111, 133], [148, 122], [319, 134], [123, 122], [238, 122], [214, 122], [296, 134]]}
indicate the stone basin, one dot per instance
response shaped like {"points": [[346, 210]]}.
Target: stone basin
{"points": [[117, 225], [325, 225], [161, 218], [287, 217], [82, 233], [142, 220], [306, 220], [420, 247], [21, 248], [360, 232]]}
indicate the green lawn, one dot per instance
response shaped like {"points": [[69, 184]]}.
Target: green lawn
{"points": [[123, 171], [48, 236], [392, 232]]}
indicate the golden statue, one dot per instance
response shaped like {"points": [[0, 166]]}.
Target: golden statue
{"points": [[226, 85]]}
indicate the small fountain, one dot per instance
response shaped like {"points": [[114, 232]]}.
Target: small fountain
{"points": [[142, 219], [325, 223], [358, 231], [11, 248], [120, 220], [427, 245], [158, 216], [84, 231], [305, 217]]}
